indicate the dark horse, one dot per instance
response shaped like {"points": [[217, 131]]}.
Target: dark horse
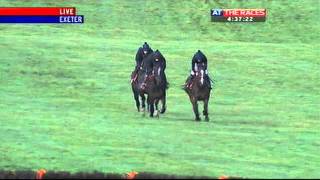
{"points": [[155, 82], [138, 72], [199, 90]]}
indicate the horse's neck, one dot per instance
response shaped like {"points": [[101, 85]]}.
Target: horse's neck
{"points": [[197, 81], [162, 81]]}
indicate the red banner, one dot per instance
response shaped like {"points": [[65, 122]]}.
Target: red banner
{"points": [[244, 12], [37, 11]]}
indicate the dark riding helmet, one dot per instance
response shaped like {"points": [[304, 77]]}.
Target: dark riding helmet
{"points": [[199, 57], [146, 48]]}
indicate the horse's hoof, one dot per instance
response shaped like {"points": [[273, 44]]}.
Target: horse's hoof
{"points": [[207, 119], [142, 110], [198, 119], [163, 110], [156, 114]]}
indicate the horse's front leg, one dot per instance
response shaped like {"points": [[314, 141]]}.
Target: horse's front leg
{"points": [[151, 105], [205, 109], [136, 98], [143, 99], [195, 108]]}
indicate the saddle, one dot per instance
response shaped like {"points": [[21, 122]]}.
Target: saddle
{"points": [[190, 81]]}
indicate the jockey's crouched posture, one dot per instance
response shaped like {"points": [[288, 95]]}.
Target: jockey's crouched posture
{"points": [[197, 59], [142, 52]]}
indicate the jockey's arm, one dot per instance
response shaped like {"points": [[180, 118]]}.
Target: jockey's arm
{"points": [[193, 67], [206, 67]]}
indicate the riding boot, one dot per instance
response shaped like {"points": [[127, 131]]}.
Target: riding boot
{"points": [[188, 82], [208, 80], [134, 75], [165, 82]]}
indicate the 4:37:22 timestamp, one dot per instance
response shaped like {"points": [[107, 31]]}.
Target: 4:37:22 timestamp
{"points": [[240, 19]]}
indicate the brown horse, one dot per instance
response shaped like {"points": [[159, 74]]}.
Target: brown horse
{"points": [[155, 82], [199, 90], [138, 91], [137, 77]]}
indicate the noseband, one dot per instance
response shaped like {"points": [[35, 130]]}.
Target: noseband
{"points": [[198, 75]]}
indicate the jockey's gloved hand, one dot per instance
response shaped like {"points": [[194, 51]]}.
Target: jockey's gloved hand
{"points": [[192, 73]]}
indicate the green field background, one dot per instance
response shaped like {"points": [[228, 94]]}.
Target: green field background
{"points": [[66, 101]]}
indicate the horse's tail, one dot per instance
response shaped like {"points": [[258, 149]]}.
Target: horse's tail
{"points": [[164, 107]]}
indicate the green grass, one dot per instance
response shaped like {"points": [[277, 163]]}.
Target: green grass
{"points": [[66, 102]]}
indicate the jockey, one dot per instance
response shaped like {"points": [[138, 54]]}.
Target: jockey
{"points": [[142, 52], [198, 58]]}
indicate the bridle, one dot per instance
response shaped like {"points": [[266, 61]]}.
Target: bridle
{"points": [[197, 75], [146, 78]]}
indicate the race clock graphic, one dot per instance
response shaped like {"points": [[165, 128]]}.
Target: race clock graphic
{"points": [[238, 15]]}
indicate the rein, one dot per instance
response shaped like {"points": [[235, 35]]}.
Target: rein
{"points": [[147, 77], [198, 77]]}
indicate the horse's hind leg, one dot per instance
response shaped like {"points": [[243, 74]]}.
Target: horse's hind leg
{"points": [[205, 109], [157, 109], [164, 107], [151, 109]]}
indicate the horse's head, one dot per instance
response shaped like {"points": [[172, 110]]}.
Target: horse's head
{"points": [[146, 50], [144, 80], [153, 66], [200, 73], [146, 71]]}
